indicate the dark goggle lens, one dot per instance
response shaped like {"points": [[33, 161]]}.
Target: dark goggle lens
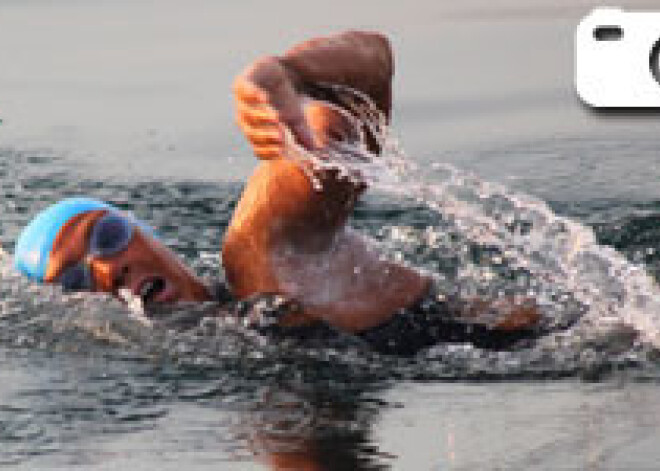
{"points": [[76, 278], [111, 235]]}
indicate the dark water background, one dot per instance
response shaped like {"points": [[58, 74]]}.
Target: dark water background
{"points": [[129, 102]]}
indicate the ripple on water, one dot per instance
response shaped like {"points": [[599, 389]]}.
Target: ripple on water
{"points": [[118, 375], [476, 235]]}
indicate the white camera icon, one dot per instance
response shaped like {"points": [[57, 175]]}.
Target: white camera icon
{"points": [[616, 59]]}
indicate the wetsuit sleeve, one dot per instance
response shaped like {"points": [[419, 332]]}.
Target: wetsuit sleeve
{"points": [[446, 319]]}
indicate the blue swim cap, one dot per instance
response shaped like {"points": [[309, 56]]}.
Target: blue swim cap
{"points": [[35, 243]]}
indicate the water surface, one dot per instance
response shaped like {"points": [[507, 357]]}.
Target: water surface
{"points": [[129, 102]]}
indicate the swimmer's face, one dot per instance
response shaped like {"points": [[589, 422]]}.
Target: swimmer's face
{"points": [[145, 267]]}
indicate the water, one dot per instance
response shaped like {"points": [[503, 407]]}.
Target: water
{"points": [[98, 375], [516, 189]]}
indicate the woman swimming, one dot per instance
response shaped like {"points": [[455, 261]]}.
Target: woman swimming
{"points": [[286, 237]]}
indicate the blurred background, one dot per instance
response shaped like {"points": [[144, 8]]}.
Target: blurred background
{"points": [[143, 87]]}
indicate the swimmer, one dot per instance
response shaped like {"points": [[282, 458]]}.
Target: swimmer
{"points": [[88, 245], [286, 238]]}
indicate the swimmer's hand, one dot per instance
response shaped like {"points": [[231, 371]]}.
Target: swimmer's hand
{"points": [[271, 93], [523, 315], [266, 103], [505, 314], [267, 313]]}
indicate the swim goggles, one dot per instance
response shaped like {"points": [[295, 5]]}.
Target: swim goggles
{"points": [[110, 235]]}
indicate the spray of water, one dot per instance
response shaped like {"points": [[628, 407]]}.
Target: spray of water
{"points": [[563, 267], [480, 238]]}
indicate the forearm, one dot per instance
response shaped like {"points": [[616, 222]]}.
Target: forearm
{"points": [[359, 60]]}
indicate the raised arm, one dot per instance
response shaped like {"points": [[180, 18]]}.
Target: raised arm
{"points": [[290, 237], [273, 91], [283, 226]]}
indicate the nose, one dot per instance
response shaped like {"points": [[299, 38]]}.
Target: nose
{"points": [[109, 274]]}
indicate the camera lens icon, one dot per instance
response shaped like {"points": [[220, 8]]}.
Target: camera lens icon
{"points": [[655, 61], [617, 59]]}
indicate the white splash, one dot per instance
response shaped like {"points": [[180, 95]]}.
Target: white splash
{"points": [[135, 306], [562, 256]]}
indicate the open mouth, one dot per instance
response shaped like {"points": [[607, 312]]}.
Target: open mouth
{"points": [[154, 289]]}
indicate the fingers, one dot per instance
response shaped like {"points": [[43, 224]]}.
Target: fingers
{"points": [[260, 139], [262, 115], [266, 104], [268, 152], [258, 120], [267, 143], [245, 91], [263, 127]]}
